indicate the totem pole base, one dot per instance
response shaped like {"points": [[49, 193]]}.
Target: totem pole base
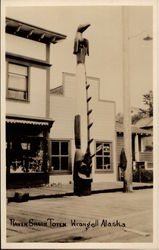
{"points": [[82, 175], [82, 187]]}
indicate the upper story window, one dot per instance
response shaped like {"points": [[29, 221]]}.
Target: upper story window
{"points": [[104, 156], [17, 82]]}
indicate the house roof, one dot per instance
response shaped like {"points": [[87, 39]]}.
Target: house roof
{"points": [[32, 32], [57, 91], [146, 122], [135, 130]]}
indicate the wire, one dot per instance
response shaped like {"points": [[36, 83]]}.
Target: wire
{"points": [[144, 31]]}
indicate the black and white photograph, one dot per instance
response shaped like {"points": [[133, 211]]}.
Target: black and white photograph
{"points": [[77, 130]]}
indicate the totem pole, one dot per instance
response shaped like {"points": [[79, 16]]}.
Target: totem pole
{"points": [[82, 125]]}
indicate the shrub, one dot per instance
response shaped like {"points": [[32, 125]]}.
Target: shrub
{"points": [[143, 175]]}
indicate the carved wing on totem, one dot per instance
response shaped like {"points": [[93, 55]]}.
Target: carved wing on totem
{"points": [[87, 46], [77, 43]]}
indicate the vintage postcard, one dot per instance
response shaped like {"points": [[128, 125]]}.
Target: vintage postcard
{"points": [[78, 124]]}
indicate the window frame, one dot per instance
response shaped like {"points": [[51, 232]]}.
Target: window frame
{"points": [[102, 170], [27, 81], [60, 171]]}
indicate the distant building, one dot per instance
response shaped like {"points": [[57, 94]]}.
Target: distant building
{"points": [[146, 124], [28, 121], [141, 154]]}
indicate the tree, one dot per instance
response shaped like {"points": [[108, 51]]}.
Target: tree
{"points": [[135, 118], [148, 112], [148, 101]]}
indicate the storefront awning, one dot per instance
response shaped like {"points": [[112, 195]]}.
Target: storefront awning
{"points": [[29, 120]]}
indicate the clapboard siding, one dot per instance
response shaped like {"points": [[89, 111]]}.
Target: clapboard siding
{"points": [[69, 84], [145, 156], [21, 46], [62, 110], [103, 121]]}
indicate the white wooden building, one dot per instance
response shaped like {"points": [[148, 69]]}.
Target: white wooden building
{"points": [[28, 119], [62, 144], [141, 156]]}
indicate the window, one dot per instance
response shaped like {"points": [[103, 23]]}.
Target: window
{"points": [[60, 160], [104, 156], [17, 82], [25, 155]]}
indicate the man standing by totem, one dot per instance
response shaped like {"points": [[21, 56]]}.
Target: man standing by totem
{"points": [[123, 165]]}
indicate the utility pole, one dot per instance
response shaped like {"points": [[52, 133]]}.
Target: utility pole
{"points": [[126, 103]]}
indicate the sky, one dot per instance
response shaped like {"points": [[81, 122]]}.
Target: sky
{"points": [[105, 41]]}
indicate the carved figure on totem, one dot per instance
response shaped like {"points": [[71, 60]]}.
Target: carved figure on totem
{"points": [[81, 45]]}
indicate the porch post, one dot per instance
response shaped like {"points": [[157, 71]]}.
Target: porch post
{"points": [[48, 81], [136, 147], [45, 151], [142, 145], [8, 161], [47, 133]]}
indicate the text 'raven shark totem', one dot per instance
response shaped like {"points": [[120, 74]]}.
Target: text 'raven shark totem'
{"points": [[82, 125]]}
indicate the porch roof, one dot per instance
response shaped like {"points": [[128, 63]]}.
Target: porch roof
{"points": [[32, 32], [146, 122], [135, 130]]}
